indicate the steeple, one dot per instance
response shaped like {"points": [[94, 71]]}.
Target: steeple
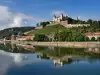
{"points": [[62, 14], [54, 16]]}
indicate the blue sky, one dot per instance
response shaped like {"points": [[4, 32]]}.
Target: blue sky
{"points": [[44, 9]]}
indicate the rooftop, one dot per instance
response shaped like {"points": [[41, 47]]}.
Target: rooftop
{"points": [[93, 34]]}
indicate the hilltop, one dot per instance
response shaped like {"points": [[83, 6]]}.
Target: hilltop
{"points": [[48, 30], [66, 23]]}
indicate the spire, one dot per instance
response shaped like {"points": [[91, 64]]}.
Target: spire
{"points": [[54, 15], [62, 14]]}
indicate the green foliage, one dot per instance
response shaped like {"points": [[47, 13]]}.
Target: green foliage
{"points": [[87, 39], [41, 37], [98, 38], [93, 39], [10, 31], [43, 24], [69, 36], [49, 30]]}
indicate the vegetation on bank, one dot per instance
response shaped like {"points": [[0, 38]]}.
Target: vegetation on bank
{"points": [[56, 32], [14, 31], [48, 30], [60, 33], [64, 36]]}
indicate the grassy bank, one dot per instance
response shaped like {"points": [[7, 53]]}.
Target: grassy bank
{"points": [[48, 30]]}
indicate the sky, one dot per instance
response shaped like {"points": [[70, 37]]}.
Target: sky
{"points": [[17, 13]]}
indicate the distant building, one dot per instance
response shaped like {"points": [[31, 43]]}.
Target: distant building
{"points": [[62, 20], [59, 18], [24, 38], [90, 35], [13, 37]]}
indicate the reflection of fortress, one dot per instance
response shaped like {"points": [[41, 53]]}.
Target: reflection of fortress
{"points": [[62, 61], [72, 58]]}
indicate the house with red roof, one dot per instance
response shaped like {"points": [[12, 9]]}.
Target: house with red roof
{"points": [[90, 35], [29, 37]]}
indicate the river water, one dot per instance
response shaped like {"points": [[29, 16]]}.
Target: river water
{"points": [[33, 60]]}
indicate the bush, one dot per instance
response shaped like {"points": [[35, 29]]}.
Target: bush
{"points": [[98, 38], [40, 37], [93, 39]]}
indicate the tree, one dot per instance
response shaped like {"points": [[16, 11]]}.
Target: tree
{"points": [[86, 39], [89, 21], [43, 24], [37, 24], [40, 37], [69, 36], [93, 39], [98, 38]]}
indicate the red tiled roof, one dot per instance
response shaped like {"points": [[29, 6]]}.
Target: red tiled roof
{"points": [[27, 37], [93, 34]]}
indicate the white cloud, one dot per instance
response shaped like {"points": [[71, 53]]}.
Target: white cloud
{"points": [[9, 19]]}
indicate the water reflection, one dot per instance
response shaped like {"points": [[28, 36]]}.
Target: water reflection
{"points": [[11, 59], [20, 55], [62, 56], [13, 48]]}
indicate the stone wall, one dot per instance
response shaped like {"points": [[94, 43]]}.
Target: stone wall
{"points": [[65, 24], [64, 44]]}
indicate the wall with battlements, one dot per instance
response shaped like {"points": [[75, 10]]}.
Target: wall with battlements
{"points": [[65, 24]]}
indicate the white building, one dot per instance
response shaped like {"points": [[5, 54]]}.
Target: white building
{"points": [[62, 20], [96, 35], [59, 18]]}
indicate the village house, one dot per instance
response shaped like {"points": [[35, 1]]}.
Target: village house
{"points": [[90, 35], [26, 37]]}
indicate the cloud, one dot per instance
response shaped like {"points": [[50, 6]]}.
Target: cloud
{"points": [[10, 19]]}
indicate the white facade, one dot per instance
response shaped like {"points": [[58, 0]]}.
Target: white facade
{"points": [[62, 21], [58, 18], [91, 35]]}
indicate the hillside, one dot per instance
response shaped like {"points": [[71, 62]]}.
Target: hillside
{"points": [[48, 30], [9, 31]]}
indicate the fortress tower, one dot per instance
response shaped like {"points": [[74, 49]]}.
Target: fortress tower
{"points": [[59, 18]]}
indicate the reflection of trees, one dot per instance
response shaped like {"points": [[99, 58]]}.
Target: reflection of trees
{"points": [[61, 52], [68, 62], [14, 49], [43, 56]]}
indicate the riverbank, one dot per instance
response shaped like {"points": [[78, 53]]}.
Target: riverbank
{"points": [[60, 44], [55, 44], [64, 44]]}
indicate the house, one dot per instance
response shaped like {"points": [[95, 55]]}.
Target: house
{"points": [[29, 37], [90, 35]]}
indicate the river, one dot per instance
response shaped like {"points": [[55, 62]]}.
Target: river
{"points": [[36, 60]]}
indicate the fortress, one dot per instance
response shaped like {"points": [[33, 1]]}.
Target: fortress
{"points": [[62, 20]]}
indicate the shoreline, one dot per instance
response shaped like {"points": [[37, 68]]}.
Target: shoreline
{"points": [[56, 44]]}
